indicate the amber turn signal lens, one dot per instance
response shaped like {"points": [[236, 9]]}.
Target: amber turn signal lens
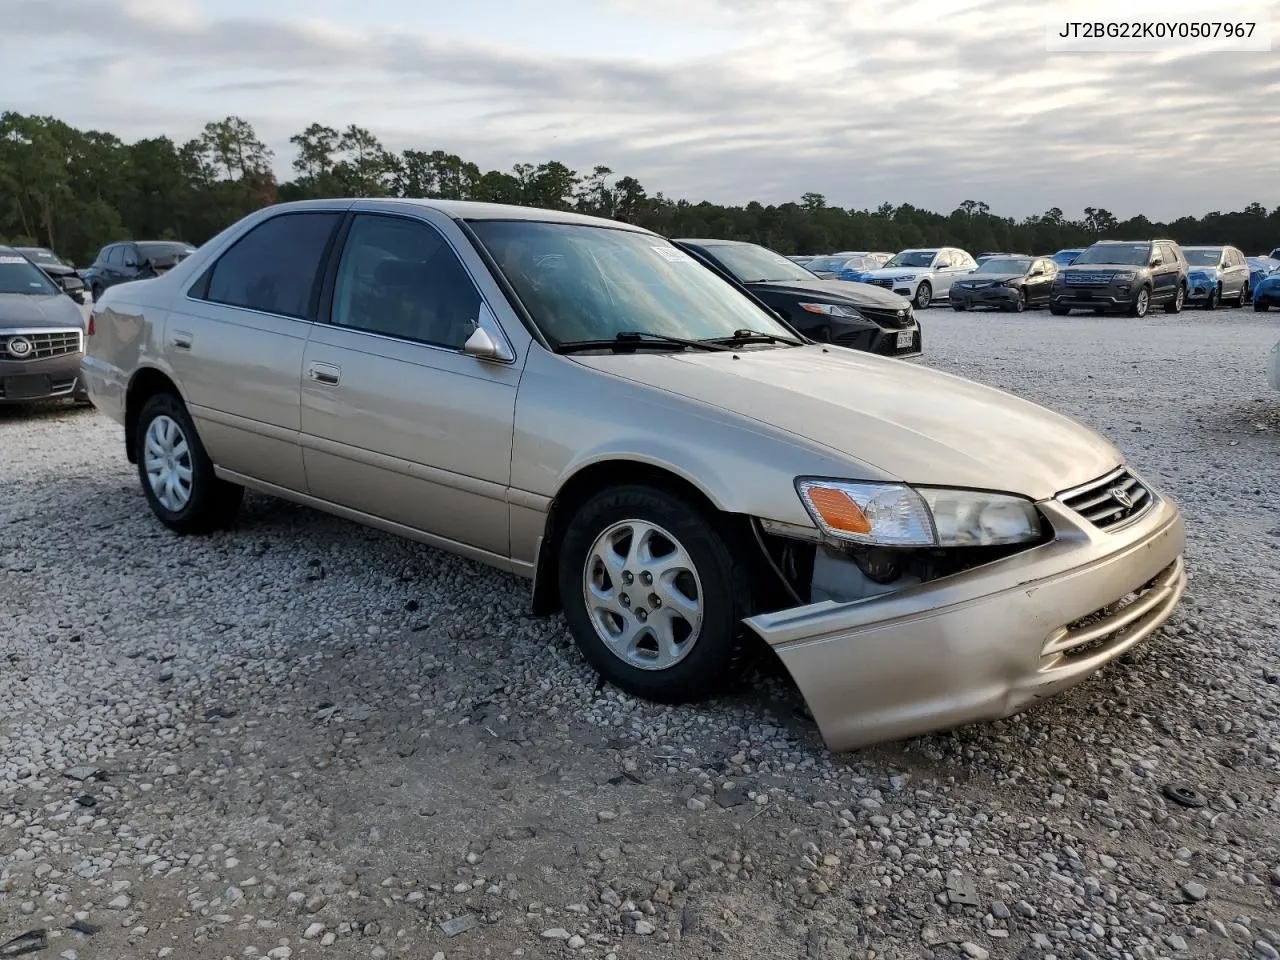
{"points": [[838, 510]]}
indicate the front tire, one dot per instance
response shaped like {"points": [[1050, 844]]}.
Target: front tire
{"points": [[654, 594], [176, 473], [1021, 303], [1058, 311], [1179, 298], [924, 295], [1141, 303]]}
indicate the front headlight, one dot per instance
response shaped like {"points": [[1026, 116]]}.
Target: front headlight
{"points": [[1123, 276], [832, 310], [896, 515]]}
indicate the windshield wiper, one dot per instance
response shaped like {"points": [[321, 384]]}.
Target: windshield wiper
{"points": [[630, 339], [755, 336]]}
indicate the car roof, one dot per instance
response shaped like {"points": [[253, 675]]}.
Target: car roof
{"points": [[475, 210], [707, 242], [1209, 246]]}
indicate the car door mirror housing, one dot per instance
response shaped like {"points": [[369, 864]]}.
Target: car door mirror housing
{"points": [[482, 346], [1157, 261], [70, 284], [1037, 272]]}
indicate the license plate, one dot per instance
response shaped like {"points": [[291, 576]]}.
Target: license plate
{"points": [[26, 388], [906, 338]]}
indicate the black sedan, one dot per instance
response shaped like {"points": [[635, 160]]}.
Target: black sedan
{"points": [[1006, 283], [854, 315]]}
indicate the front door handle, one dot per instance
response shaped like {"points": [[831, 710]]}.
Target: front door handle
{"points": [[181, 339], [325, 373]]}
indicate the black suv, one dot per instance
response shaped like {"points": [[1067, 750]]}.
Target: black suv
{"points": [[133, 260], [1116, 276]]}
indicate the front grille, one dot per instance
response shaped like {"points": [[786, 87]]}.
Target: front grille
{"points": [[1087, 279], [881, 282], [887, 317], [1111, 501], [1119, 624], [43, 344]]}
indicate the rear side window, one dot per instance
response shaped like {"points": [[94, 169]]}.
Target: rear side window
{"points": [[275, 267]]}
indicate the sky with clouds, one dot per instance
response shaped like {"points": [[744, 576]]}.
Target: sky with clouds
{"points": [[928, 102]]}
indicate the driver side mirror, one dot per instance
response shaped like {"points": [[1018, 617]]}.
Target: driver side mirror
{"points": [[481, 346], [1036, 272], [1157, 260], [70, 283]]}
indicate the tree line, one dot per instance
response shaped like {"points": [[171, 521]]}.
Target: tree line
{"points": [[76, 190]]}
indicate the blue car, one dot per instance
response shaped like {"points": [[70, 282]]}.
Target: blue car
{"points": [[855, 268], [1063, 258], [1266, 292], [1260, 267]]}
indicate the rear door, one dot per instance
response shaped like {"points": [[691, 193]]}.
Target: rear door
{"points": [[236, 344], [115, 265], [397, 422]]}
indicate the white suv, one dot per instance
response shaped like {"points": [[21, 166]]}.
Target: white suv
{"points": [[924, 275]]}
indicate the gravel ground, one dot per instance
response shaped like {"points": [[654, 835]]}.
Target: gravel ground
{"points": [[303, 738]]}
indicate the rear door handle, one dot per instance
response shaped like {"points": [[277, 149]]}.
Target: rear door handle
{"points": [[181, 339], [324, 373]]}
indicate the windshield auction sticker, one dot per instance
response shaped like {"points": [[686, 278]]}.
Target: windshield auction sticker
{"points": [[1137, 26]]}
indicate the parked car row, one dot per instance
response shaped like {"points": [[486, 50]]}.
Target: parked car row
{"points": [[41, 332]]}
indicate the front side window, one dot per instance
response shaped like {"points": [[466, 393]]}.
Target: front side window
{"points": [[274, 268], [20, 275], [582, 283], [116, 257], [399, 278]]}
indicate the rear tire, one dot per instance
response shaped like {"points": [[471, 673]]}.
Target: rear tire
{"points": [[1179, 298], [1259, 307], [1243, 298], [959, 307], [654, 594], [1058, 311], [176, 473]]}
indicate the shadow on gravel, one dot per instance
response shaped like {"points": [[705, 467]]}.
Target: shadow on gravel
{"points": [[48, 410]]}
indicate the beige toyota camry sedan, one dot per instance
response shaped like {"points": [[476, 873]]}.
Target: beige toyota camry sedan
{"points": [[578, 402]]}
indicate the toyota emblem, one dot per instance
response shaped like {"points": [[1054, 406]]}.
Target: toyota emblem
{"points": [[1122, 497], [19, 347]]}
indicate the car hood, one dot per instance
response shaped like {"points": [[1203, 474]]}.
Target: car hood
{"points": [[995, 277], [1100, 268], [25, 311], [896, 272], [837, 291], [909, 422]]}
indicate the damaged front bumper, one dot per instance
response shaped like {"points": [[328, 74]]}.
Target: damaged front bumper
{"points": [[985, 643]]}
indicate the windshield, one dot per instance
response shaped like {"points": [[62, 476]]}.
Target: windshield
{"points": [[913, 258], [1203, 256], [20, 275], [40, 255], [827, 264], [752, 264], [592, 283], [861, 263], [151, 249], [1064, 257], [1004, 265], [1127, 254]]}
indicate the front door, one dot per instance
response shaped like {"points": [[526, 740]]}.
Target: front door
{"points": [[397, 422]]}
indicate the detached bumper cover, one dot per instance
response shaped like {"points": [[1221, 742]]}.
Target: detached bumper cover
{"points": [[986, 643]]}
